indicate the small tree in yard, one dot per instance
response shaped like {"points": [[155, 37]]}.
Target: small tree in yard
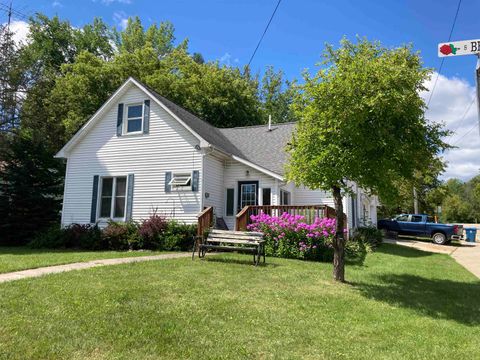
{"points": [[361, 119]]}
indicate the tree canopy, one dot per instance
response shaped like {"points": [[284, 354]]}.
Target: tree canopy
{"points": [[361, 119]]}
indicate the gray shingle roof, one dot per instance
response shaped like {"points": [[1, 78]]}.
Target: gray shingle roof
{"points": [[253, 143], [261, 146]]}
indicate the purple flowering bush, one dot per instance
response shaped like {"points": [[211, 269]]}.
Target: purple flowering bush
{"points": [[289, 236]]}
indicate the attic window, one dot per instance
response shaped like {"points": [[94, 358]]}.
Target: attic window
{"points": [[134, 119], [180, 180]]}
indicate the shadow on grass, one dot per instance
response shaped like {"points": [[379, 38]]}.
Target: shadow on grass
{"points": [[232, 260], [24, 250], [436, 298], [402, 251]]}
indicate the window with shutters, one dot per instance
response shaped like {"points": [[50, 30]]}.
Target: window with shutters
{"points": [[133, 122], [181, 181], [112, 199]]}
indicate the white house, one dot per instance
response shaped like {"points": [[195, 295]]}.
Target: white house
{"points": [[140, 153]]}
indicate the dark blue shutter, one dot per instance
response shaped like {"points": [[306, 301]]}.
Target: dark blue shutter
{"points": [[195, 178], [146, 116], [119, 119], [128, 215], [168, 177], [93, 211]]}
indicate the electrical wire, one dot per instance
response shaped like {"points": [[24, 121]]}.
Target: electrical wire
{"points": [[443, 59], [264, 32]]}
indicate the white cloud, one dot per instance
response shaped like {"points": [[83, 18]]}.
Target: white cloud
{"points": [[449, 104], [57, 3], [20, 30], [121, 19], [225, 58]]}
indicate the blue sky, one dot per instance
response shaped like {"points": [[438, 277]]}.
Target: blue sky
{"points": [[229, 31]]}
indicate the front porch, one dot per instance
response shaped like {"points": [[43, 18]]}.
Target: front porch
{"points": [[206, 219]]}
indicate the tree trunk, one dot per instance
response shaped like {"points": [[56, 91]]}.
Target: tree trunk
{"points": [[339, 241]]}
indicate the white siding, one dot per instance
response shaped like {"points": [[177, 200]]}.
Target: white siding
{"points": [[214, 168], [168, 147], [235, 172], [305, 196]]}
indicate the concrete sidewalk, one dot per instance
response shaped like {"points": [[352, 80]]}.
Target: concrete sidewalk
{"points": [[466, 254], [30, 273]]}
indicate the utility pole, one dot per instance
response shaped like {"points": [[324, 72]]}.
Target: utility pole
{"points": [[9, 15], [415, 201], [477, 81]]}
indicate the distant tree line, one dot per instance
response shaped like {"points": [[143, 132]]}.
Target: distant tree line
{"points": [[51, 84]]}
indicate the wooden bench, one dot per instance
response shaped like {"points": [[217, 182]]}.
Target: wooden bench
{"points": [[240, 241]]}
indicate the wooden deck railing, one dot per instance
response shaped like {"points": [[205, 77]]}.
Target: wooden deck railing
{"points": [[205, 220], [310, 212]]}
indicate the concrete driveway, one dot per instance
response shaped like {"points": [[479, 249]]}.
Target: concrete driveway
{"points": [[466, 254]]}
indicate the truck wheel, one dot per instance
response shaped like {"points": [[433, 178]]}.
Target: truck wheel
{"points": [[439, 238]]}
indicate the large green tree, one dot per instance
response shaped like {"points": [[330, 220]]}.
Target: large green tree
{"points": [[276, 95], [361, 119]]}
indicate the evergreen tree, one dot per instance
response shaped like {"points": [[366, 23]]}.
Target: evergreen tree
{"points": [[31, 190]]}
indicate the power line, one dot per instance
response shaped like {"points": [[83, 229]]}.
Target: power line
{"points": [[443, 59], [264, 32], [463, 117], [468, 132], [6, 8]]}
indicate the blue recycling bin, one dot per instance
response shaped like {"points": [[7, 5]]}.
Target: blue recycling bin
{"points": [[471, 234]]}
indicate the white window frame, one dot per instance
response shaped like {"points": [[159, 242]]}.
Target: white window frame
{"points": [[114, 195], [187, 184], [126, 119]]}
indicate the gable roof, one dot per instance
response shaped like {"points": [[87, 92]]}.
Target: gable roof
{"points": [[255, 146]]}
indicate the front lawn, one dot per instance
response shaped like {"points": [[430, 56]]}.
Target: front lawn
{"points": [[401, 304], [20, 258]]}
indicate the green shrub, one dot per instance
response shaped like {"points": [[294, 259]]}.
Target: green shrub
{"points": [[368, 235], [151, 232], [155, 233], [75, 236], [116, 235], [83, 236], [51, 238], [178, 236]]}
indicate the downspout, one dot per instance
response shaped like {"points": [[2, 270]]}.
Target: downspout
{"points": [[203, 182]]}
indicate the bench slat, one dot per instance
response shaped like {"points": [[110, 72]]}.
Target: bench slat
{"points": [[228, 232], [246, 238], [233, 241], [231, 248]]}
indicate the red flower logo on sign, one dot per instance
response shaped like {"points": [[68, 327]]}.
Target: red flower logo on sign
{"points": [[448, 49]]}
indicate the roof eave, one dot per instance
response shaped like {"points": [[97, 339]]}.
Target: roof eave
{"points": [[259, 168]]}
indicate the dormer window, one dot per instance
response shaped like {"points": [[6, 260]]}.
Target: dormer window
{"points": [[133, 123]]}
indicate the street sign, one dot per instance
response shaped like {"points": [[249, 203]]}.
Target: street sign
{"points": [[457, 48]]}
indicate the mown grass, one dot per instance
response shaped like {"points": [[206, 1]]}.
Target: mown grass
{"points": [[401, 304], [20, 258]]}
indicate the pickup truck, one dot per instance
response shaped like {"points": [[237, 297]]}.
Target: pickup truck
{"points": [[422, 226]]}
